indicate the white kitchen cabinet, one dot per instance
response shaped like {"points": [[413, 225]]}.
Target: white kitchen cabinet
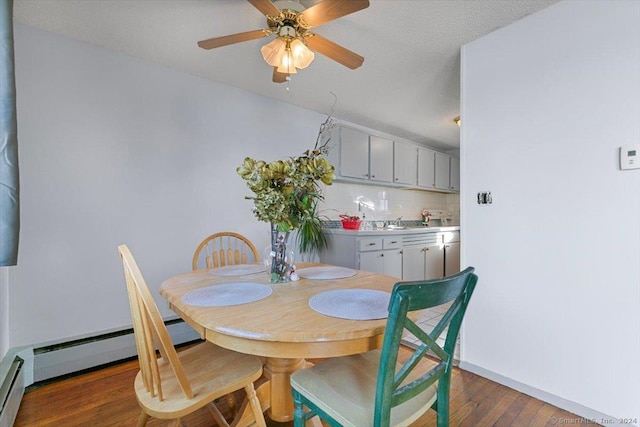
{"points": [[447, 172], [364, 157], [380, 255], [454, 174], [442, 169], [405, 163], [380, 159], [451, 241], [422, 263], [354, 154], [426, 168], [413, 263], [387, 262]]}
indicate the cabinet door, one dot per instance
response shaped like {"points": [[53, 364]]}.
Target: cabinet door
{"points": [[381, 159], [451, 258], [354, 153], [426, 168], [442, 171], [393, 263], [372, 261], [405, 163], [413, 263], [433, 261], [454, 174]]}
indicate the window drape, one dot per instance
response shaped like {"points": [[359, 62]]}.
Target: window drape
{"points": [[9, 183]]}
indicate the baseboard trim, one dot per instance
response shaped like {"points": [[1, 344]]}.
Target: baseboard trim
{"points": [[585, 415]]}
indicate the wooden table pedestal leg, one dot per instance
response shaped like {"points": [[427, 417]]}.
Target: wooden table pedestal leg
{"points": [[279, 371]]}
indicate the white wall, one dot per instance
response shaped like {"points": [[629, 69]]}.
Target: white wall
{"points": [[118, 150], [546, 103]]}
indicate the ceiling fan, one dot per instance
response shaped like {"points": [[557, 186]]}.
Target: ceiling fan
{"points": [[294, 45]]}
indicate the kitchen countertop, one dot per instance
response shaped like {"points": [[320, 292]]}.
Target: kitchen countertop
{"points": [[391, 232]]}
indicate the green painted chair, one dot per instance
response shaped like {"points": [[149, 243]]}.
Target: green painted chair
{"points": [[374, 389]]}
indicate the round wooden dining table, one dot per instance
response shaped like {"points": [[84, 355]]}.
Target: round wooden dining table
{"points": [[282, 327]]}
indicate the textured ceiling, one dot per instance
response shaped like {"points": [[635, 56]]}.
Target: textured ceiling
{"points": [[409, 84]]}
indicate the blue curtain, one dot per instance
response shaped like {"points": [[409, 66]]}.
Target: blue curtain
{"points": [[9, 184]]}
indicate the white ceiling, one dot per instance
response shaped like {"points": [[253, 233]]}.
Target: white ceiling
{"points": [[409, 84]]}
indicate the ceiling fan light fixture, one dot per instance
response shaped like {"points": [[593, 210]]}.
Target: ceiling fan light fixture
{"points": [[287, 65], [274, 51], [302, 55]]}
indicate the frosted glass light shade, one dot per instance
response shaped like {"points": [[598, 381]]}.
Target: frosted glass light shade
{"points": [[273, 51], [287, 65], [302, 55]]}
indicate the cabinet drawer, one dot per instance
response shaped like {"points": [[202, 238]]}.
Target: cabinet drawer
{"points": [[373, 244], [450, 236], [391, 243]]}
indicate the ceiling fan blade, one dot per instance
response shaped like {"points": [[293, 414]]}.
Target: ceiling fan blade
{"points": [[328, 10], [232, 38], [334, 51], [266, 7], [279, 77]]}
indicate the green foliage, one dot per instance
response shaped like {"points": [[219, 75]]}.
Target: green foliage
{"points": [[287, 193]]}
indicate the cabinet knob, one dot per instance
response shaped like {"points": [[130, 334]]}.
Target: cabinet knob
{"points": [[366, 175], [382, 255], [401, 252], [373, 176], [372, 244]]}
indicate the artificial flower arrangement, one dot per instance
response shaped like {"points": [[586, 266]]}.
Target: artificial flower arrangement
{"points": [[287, 193]]}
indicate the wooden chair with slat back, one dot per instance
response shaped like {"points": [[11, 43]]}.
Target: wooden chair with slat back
{"points": [[179, 383], [226, 248], [344, 392]]}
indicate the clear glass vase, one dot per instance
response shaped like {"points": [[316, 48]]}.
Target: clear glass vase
{"points": [[278, 259]]}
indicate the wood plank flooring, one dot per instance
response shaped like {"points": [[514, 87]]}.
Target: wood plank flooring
{"points": [[106, 398]]}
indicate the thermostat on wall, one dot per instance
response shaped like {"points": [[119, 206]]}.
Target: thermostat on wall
{"points": [[630, 157]]}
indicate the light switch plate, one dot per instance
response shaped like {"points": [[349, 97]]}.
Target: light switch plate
{"points": [[630, 157]]}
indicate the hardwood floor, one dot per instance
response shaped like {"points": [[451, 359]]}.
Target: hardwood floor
{"points": [[106, 398]]}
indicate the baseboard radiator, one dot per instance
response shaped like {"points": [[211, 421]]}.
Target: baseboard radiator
{"points": [[69, 357], [11, 392], [41, 364]]}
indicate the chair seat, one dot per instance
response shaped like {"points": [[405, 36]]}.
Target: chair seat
{"points": [[345, 389], [212, 372]]}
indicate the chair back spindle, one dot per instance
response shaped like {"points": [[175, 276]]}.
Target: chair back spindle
{"points": [[223, 249], [150, 331]]}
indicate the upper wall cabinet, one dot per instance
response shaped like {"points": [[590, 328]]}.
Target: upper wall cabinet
{"points": [[405, 163], [438, 171], [454, 174], [364, 156], [361, 157], [380, 159], [447, 172], [426, 168], [442, 171], [354, 154]]}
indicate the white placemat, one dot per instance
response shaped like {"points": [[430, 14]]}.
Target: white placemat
{"points": [[227, 294], [352, 304], [238, 270], [327, 272]]}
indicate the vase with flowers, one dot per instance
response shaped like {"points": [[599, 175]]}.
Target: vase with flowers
{"points": [[286, 195]]}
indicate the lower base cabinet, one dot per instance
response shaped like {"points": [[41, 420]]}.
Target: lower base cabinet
{"points": [[418, 256], [451, 258], [383, 262]]}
